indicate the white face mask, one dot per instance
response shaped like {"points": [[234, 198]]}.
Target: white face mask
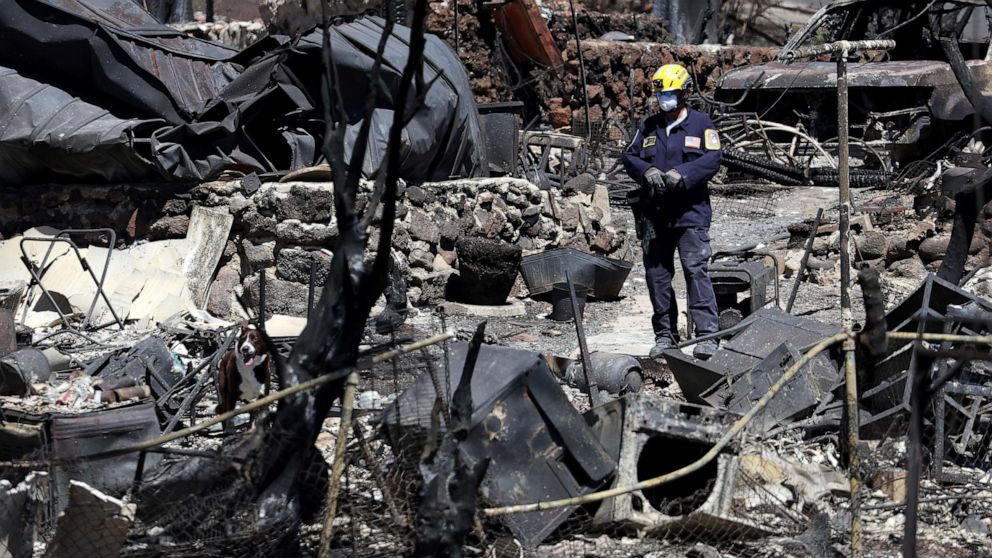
{"points": [[668, 101]]}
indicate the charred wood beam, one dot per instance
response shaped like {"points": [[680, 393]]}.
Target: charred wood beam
{"points": [[969, 200], [272, 465], [873, 337], [971, 90], [873, 340]]}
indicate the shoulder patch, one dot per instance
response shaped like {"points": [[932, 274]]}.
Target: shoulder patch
{"points": [[712, 140], [649, 141]]}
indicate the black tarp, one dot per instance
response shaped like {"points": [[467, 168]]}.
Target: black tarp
{"points": [[162, 103], [45, 131]]}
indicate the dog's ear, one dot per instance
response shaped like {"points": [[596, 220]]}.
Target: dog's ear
{"points": [[244, 325]]}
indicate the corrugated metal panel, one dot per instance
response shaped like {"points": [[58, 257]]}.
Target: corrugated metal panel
{"points": [[183, 64], [35, 117]]}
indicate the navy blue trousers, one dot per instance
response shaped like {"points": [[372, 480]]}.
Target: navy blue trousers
{"points": [[659, 263]]}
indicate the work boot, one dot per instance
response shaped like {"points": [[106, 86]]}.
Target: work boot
{"points": [[704, 350], [661, 344]]}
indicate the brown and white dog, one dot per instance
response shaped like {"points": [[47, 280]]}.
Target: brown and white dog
{"points": [[244, 370]]}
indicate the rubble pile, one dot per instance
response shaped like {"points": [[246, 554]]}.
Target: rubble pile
{"points": [[272, 352], [888, 236], [235, 34], [284, 227], [617, 48], [475, 47]]}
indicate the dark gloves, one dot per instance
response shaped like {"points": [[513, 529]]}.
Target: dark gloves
{"points": [[658, 183], [654, 179], [673, 181]]}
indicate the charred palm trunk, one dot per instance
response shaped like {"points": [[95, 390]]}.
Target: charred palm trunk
{"points": [[270, 470]]}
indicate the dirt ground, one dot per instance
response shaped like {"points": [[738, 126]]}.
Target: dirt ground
{"points": [[624, 325]]}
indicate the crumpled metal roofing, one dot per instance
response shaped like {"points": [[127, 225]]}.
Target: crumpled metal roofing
{"points": [[188, 109], [44, 129], [115, 54]]}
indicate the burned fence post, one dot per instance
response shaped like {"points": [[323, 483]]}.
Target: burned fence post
{"points": [[843, 49], [452, 473], [592, 388], [802, 264], [340, 445]]}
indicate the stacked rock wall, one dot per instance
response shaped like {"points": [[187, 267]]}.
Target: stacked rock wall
{"points": [[283, 227]]}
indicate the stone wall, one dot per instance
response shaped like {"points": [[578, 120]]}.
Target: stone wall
{"points": [[610, 65], [283, 227], [556, 95]]}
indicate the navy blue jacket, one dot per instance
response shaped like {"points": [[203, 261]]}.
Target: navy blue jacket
{"points": [[693, 150]]}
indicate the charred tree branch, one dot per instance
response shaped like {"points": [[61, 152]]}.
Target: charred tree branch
{"points": [[451, 477]]}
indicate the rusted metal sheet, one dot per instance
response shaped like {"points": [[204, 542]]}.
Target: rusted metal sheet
{"points": [[823, 75], [526, 34]]}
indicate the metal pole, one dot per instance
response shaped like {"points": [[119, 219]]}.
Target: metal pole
{"points": [[337, 469], [261, 300], [843, 49], [919, 375], [851, 379], [844, 168], [310, 287], [582, 68], [940, 412], [802, 265], [591, 386], [457, 38]]}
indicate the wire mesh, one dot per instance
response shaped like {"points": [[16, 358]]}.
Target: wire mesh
{"points": [[605, 144], [764, 495], [745, 200], [950, 451]]}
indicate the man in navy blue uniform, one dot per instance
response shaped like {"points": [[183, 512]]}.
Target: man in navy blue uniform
{"points": [[673, 156]]}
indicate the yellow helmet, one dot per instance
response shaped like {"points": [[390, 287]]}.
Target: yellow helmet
{"points": [[671, 77]]}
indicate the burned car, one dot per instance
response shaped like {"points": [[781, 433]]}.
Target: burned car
{"points": [[906, 107]]}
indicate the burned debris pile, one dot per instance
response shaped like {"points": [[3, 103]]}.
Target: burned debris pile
{"points": [[380, 295], [112, 112], [908, 110], [287, 230]]}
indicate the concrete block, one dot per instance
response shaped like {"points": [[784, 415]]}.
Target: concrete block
{"points": [[205, 241]]}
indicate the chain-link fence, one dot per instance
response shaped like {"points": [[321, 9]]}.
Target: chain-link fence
{"points": [[744, 200], [668, 479]]}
